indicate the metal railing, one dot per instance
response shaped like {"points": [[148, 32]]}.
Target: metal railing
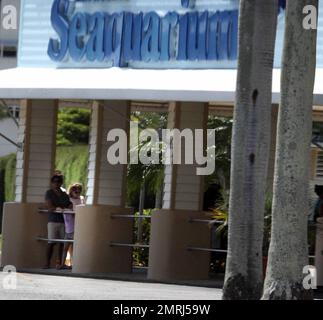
{"points": [[65, 211], [206, 249], [129, 216], [129, 245], [54, 240], [207, 221], [139, 245]]}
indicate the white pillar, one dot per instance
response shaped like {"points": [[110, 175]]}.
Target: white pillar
{"points": [[36, 161], [35, 164], [171, 230], [106, 182], [95, 226], [183, 188]]}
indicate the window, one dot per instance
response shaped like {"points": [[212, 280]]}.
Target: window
{"points": [[9, 52], [14, 111]]}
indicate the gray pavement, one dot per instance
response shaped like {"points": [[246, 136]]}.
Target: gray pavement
{"points": [[47, 287]]}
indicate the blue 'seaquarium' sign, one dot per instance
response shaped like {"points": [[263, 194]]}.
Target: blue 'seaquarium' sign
{"points": [[119, 38]]}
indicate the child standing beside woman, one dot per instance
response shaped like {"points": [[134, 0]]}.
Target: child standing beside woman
{"points": [[74, 192]]}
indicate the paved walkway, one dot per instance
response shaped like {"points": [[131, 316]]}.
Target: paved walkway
{"points": [[45, 287]]}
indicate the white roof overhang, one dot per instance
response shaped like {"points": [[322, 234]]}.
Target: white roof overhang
{"points": [[130, 84]]}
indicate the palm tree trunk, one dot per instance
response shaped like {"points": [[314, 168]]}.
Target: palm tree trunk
{"points": [[288, 253], [250, 149]]}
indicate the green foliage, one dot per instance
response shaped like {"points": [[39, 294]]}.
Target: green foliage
{"points": [[267, 224], [8, 166], [150, 174], [151, 120], [73, 126], [140, 255], [10, 176], [7, 181], [223, 129], [3, 113], [219, 235], [220, 214], [72, 161], [137, 174]]}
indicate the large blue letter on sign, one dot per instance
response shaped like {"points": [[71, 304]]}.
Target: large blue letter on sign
{"points": [[197, 33], [150, 41], [78, 31], [132, 36], [233, 35], [168, 23], [57, 49], [95, 50], [113, 37]]}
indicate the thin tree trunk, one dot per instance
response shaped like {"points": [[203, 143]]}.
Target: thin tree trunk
{"points": [[159, 199], [288, 253], [250, 149], [141, 211]]}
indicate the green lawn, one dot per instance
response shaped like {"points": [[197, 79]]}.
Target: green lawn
{"points": [[72, 161]]}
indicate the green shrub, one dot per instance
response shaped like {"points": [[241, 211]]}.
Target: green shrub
{"points": [[140, 255], [8, 167], [73, 126], [7, 181]]}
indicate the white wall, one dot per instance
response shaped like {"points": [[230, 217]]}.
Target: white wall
{"points": [[9, 129]]}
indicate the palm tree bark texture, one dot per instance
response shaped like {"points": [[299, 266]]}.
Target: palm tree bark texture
{"points": [[288, 252], [250, 149]]}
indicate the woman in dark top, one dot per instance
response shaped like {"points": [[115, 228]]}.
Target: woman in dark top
{"points": [[56, 199]]}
